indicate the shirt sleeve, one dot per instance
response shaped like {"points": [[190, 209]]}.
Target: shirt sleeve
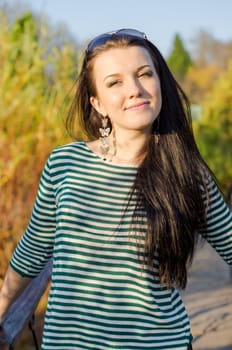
{"points": [[218, 228], [36, 245]]}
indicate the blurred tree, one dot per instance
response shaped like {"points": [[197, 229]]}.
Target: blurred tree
{"points": [[208, 50], [210, 60], [199, 80], [35, 81], [214, 130], [179, 59]]}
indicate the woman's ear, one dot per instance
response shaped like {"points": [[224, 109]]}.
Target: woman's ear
{"points": [[97, 105]]}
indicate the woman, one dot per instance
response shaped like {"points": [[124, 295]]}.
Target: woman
{"points": [[121, 214]]}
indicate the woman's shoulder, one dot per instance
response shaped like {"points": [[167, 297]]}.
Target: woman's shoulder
{"points": [[72, 150], [69, 148]]}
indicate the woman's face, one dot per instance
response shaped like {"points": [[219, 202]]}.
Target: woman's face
{"points": [[127, 88]]}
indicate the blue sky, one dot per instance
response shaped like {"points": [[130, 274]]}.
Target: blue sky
{"points": [[159, 19]]}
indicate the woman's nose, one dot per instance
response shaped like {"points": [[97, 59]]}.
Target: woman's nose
{"points": [[134, 88]]}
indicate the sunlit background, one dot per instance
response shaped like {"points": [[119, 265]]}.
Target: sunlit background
{"points": [[40, 52]]}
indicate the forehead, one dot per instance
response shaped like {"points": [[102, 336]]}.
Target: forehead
{"points": [[119, 60]]}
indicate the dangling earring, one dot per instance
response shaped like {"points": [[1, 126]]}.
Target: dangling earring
{"points": [[156, 132], [157, 138], [104, 138]]}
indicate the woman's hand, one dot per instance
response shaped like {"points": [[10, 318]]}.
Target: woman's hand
{"points": [[13, 285]]}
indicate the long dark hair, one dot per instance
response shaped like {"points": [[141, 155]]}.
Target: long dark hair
{"points": [[170, 182]]}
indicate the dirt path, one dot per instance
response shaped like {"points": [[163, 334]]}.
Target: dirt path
{"points": [[208, 299]]}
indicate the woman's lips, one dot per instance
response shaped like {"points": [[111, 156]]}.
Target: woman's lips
{"points": [[136, 106]]}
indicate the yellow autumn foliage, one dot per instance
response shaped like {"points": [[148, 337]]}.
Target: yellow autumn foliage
{"points": [[203, 76], [35, 80], [214, 129], [199, 80]]}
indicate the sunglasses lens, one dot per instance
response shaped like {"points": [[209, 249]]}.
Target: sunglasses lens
{"points": [[131, 32], [122, 33], [98, 41]]}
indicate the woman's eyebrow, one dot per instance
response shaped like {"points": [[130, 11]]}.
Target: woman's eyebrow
{"points": [[137, 70]]}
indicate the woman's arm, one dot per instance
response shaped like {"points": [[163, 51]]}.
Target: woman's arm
{"points": [[218, 228], [35, 247], [13, 285]]}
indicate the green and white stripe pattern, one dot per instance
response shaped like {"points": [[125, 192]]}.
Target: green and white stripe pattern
{"points": [[101, 297]]}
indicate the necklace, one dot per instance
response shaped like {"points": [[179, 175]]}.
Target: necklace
{"points": [[110, 157], [130, 161]]}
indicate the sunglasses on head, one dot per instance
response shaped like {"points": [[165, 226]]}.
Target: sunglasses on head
{"points": [[121, 33]]}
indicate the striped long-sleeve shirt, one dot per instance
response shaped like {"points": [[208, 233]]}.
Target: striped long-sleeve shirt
{"points": [[101, 298]]}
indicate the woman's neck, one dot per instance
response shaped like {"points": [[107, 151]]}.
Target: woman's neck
{"points": [[129, 150]]}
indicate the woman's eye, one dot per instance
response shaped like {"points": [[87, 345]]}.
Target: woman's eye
{"points": [[148, 73], [113, 82]]}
